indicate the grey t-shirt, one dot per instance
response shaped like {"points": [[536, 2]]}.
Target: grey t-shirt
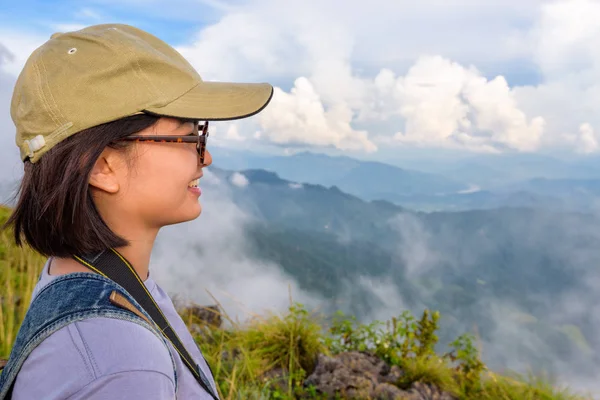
{"points": [[104, 358]]}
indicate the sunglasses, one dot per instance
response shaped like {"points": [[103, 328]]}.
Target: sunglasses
{"points": [[194, 137]]}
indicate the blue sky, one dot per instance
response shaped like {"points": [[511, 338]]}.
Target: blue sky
{"points": [[174, 27], [372, 80]]}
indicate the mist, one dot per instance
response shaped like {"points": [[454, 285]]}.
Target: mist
{"points": [[514, 343], [513, 339], [208, 260]]}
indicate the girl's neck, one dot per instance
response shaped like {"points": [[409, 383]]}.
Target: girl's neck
{"points": [[137, 253]]}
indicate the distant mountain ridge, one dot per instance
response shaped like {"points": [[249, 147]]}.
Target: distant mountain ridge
{"points": [[436, 192], [367, 179]]}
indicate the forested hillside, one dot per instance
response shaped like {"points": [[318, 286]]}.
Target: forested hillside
{"points": [[520, 278]]}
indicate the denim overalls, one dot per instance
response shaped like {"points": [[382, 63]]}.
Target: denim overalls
{"points": [[68, 298]]}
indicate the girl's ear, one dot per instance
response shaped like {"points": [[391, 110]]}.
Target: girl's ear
{"points": [[104, 175]]}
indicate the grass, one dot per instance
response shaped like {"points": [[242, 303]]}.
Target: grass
{"points": [[243, 355], [258, 355], [269, 357], [19, 272], [517, 388], [432, 370]]}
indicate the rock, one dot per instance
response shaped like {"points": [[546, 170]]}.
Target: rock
{"points": [[355, 375], [387, 391], [201, 315], [424, 391]]}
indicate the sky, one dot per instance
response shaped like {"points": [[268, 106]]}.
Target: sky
{"points": [[368, 79]]}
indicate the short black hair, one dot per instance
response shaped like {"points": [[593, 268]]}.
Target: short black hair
{"points": [[55, 213]]}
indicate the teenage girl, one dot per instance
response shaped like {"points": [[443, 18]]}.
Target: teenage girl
{"points": [[112, 125]]}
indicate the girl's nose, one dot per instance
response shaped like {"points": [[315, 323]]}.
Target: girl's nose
{"points": [[207, 158]]}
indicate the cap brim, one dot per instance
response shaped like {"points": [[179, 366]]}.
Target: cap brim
{"points": [[218, 101]]}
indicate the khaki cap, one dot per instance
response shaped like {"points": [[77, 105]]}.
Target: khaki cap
{"points": [[77, 80]]}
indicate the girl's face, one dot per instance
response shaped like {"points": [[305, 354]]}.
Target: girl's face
{"points": [[153, 190]]}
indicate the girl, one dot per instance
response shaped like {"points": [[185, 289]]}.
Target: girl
{"points": [[108, 128]]}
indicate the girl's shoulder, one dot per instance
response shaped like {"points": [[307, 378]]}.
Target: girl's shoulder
{"points": [[94, 352]]}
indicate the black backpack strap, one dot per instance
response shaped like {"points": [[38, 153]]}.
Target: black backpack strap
{"points": [[114, 266]]}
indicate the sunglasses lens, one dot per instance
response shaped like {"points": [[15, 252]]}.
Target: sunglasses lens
{"points": [[202, 138]]}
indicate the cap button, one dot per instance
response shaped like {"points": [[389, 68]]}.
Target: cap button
{"points": [[55, 35]]}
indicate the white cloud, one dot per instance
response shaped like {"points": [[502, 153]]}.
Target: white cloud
{"points": [[566, 38], [352, 76], [239, 180], [225, 133], [5, 55], [21, 44], [588, 140], [233, 133], [242, 45], [300, 117], [564, 42], [11, 167], [295, 36], [68, 27], [330, 95], [585, 141], [446, 104]]}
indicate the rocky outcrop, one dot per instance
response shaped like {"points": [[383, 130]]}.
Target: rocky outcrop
{"points": [[355, 375], [359, 375]]}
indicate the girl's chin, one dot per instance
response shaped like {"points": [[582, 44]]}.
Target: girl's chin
{"points": [[191, 214], [196, 213]]}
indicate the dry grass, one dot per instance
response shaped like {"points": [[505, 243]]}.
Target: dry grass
{"points": [[19, 272]]}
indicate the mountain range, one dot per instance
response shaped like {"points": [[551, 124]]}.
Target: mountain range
{"points": [[513, 263], [521, 277], [474, 183]]}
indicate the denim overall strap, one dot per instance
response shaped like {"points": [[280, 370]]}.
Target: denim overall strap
{"points": [[68, 298]]}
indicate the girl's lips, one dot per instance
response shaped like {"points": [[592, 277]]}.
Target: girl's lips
{"points": [[195, 190]]}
